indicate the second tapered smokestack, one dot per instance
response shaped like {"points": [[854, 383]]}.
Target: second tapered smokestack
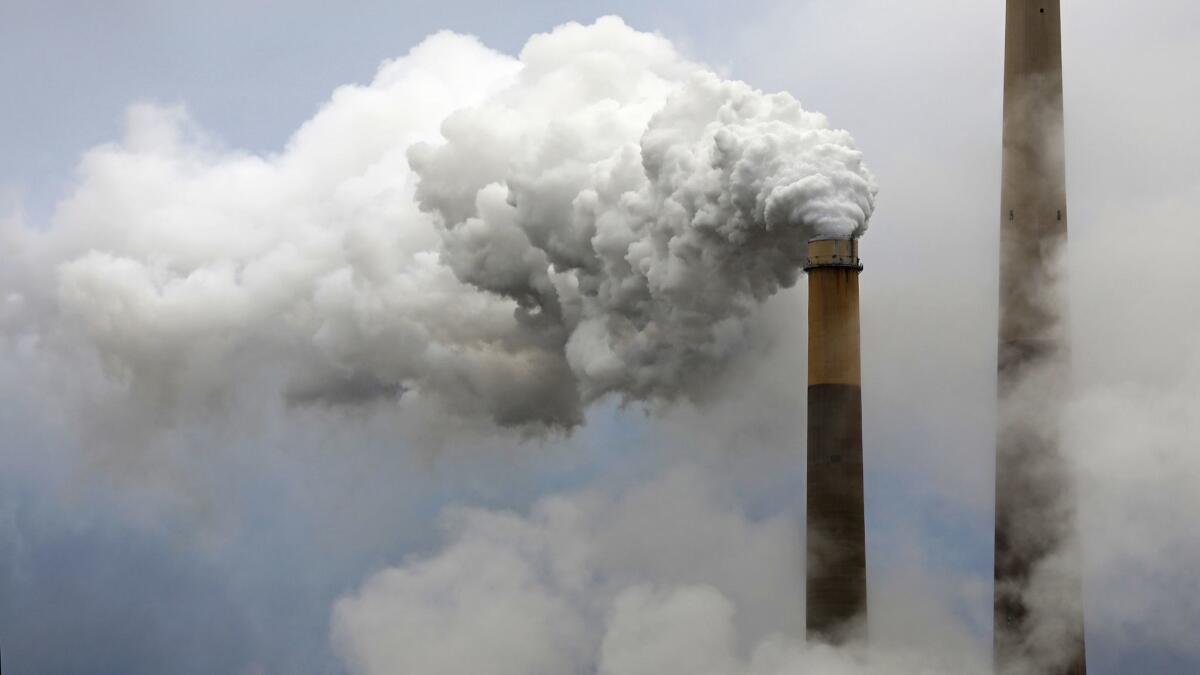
{"points": [[836, 586], [1038, 598]]}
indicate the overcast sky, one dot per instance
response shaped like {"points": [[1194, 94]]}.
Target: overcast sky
{"points": [[222, 540]]}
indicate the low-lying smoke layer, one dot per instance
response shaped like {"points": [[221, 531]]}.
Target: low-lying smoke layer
{"points": [[512, 238], [669, 577]]}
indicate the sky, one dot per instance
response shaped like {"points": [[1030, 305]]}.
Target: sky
{"points": [[228, 532]]}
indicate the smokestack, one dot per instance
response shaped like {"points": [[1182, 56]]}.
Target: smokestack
{"points": [[836, 588], [1036, 555]]}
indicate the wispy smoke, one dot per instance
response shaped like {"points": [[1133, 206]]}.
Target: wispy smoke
{"points": [[509, 238]]}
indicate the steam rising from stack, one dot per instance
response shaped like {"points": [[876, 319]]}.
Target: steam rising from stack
{"points": [[512, 239]]}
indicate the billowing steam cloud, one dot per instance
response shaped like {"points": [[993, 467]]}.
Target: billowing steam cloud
{"points": [[510, 238]]}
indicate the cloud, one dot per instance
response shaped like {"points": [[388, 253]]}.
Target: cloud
{"points": [[512, 239]]}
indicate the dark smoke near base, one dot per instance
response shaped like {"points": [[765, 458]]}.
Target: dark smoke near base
{"points": [[511, 239]]}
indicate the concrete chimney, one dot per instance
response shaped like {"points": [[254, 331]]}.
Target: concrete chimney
{"points": [[836, 585], [1034, 502]]}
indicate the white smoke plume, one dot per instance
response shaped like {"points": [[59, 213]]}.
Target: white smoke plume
{"points": [[510, 238]]}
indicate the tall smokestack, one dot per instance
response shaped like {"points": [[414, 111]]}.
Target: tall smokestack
{"points": [[836, 588], [1036, 563]]}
